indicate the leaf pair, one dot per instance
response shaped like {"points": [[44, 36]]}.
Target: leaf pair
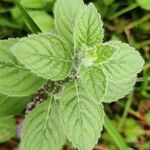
{"points": [[45, 55], [112, 73], [15, 80], [78, 23]]}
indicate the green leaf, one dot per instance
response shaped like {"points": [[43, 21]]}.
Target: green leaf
{"points": [[121, 70], [33, 4], [97, 55], [7, 129], [118, 89], [42, 129], [15, 80], [45, 55], [44, 21], [124, 62], [112, 131], [82, 116], [27, 17], [88, 30], [94, 80], [118, 65], [66, 13], [145, 4], [12, 105]]}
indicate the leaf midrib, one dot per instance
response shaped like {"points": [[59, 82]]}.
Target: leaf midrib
{"points": [[80, 112]]}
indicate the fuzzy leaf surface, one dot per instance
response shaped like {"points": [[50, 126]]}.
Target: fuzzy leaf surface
{"points": [[120, 65], [94, 80], [89, 28], [15, 80], [42, 129], [46, 55], [66, 13], [121, 71], [12, 105], [82, 116]]}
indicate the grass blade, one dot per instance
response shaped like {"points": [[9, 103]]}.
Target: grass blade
{"points": [[126, 110], [115, 135], [32, 24]]}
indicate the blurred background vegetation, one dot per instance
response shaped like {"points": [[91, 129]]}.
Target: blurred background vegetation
{"points": [[125, 20]]}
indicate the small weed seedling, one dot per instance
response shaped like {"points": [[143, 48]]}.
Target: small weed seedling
{"points": [[85, 73]]}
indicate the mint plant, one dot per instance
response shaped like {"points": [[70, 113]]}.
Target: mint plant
{"points": [[86, 73]]}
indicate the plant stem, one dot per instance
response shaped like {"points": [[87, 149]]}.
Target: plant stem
{"points": [[137, 22], [123, 11], [126, 110], [142, 44], [115, 135]]}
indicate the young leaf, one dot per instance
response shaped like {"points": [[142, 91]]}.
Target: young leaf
{"points": [[88, 30], [81, 115], [99, 54], [45, 55], [119, 68], [7, 129], [66, 13], [15, 80], [42, 129], [12, 105]]}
